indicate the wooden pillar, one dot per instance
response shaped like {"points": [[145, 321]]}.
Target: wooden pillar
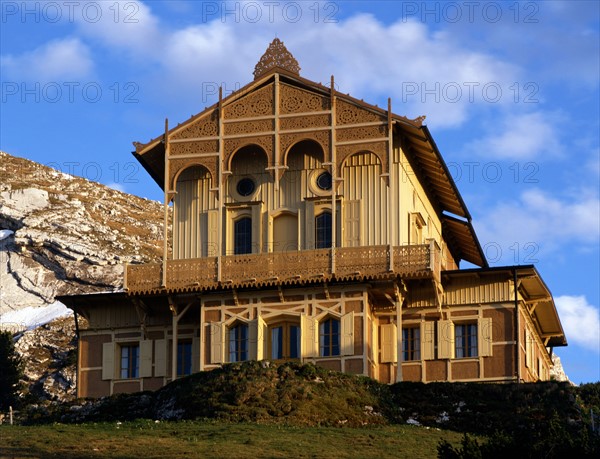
{"points": [[166, 186], [220, 199], [333, 176], [398, 304], [175, 322], [390, 189]]}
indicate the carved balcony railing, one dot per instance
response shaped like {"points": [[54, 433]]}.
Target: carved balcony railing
{"points": [[281, 268]]}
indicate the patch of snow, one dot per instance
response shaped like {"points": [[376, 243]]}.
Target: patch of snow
{"points": [[443, 417], [5, 233], [32, 317], [413, 422]]}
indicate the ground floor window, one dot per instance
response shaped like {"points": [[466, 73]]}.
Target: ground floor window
{"points": [[184, 358], [465, 338], [130, 361], [329, 337], [238, 343], [411, 343], [284, 342]]}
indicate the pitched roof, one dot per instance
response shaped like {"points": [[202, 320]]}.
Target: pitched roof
{"points": [[417, 143]]}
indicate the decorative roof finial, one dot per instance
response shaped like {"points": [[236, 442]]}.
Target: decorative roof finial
{"points": [[276, 56]]}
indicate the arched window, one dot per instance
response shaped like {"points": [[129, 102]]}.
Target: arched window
{"points": [[323, 230], [243, 236], [329, 337], [238, 343]]}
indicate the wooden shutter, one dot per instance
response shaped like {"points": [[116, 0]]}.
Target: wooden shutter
{"points": [[108, 361], [428, 340], [389, 338], [160, 357], [217, 342], [527, 349], [256, 228], [257, 331], [445, 339], [212, 239], [352, 223], [146, 358], [309, 331], [484, 337], [347, 327], [309, 225], [195, 354]]}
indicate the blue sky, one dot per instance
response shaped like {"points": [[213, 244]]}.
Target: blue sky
{"points": [[510, 91]]}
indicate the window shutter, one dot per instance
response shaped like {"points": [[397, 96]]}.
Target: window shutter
{"points": [[389, 339], [195, 354], [427, 340], [146, 358], [261, 338], [257, 330], [217, 341], [352, 223], [160, 357], [213, 233], [310, 336], [108, 361], [484, 337], [527, 349], [347, 326], [256, 229], [445, 339], [309, 225]]}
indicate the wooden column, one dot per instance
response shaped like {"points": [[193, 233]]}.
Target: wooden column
{"points": [[220, 199], [398, 304], [166, 186], [333, 177], [390, 188]]}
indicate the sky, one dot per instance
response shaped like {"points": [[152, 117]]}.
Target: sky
{"points": [[510, 91]]}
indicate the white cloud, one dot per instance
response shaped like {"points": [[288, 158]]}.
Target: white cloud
{"points": [[520, 137], [424, 72], [580, 321], [125, 25], [64, 59], [538, 223]]}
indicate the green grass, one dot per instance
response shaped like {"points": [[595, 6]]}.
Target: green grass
{"points": [[147, 439]]}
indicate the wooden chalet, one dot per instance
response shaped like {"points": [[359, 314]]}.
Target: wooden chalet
{"points": [[312, 226]]}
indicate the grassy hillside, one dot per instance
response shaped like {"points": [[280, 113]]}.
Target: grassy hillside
{"points": [[148, 439], [539, 420]]}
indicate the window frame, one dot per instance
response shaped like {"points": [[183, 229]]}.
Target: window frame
{"points": [[411, 343], [334, 338], [129, 364], [184, 357], [286, 340], [323, 230], [241, 344], [467, 344], [247, 243]]}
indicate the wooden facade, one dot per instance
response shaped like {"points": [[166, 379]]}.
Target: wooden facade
{"points": [[309, 225]]}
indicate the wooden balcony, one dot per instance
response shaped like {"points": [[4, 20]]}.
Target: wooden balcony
{"points": [[286, 268]]}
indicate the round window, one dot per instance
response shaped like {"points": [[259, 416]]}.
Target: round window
{"points": [[245, 187], [324, 181]]}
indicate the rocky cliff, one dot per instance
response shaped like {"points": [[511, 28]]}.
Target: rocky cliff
{"points": [[67, 234], [61, 234]]}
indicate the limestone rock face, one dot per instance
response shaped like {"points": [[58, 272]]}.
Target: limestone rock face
{"points": [[61, 234], [557, 372], [64, 234], [50, 353]]}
